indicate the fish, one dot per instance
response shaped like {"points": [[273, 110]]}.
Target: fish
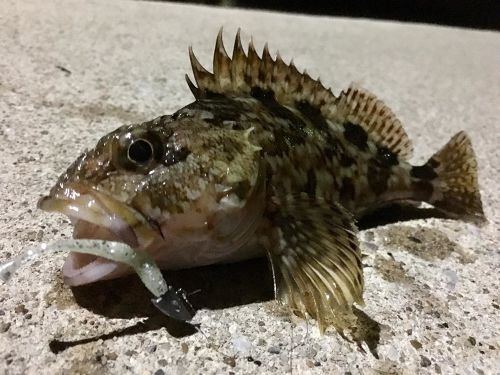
{"points": [[266, 161]]}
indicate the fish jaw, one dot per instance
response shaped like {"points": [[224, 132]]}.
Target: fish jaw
{"points": [[211, 232], [96, 215]]}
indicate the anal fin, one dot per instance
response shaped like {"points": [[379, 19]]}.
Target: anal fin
{"points": [[314, 251]]}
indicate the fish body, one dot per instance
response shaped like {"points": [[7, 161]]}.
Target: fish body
{"points": [[266, 160]]}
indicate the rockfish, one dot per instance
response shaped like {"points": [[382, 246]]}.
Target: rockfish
{"points": [[265, 161]]}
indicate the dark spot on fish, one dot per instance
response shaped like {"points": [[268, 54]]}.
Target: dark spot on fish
{"points": [[310, 187], [214, 95], [242, 189], [422, 189], [424, 172], [356, 135], [277, 146], [345, 160], [174, 155], [269, 174], [295, 133], [262, 75], [265, 96], [347, 192], [377, 177], [237, 126], [386, 157], [329, 152], [221, 107], [318, 122], [314, 115]]}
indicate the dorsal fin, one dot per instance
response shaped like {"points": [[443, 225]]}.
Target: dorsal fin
{"points": [[244, 72], [360, 107]]}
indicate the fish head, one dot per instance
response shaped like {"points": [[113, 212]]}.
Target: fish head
{"points": [[160, 186]]}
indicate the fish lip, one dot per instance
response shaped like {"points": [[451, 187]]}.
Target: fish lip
{"points": [[82, 203], [93, 212], [97, 215]]}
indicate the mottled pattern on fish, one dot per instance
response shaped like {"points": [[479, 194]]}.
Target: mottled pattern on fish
{"points": [[266, 160], [306, 153]]}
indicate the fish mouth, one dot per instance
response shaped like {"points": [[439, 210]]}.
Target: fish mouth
{"points": [[96, 215]]}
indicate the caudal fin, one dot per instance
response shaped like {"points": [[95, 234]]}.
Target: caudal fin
{"points": [[456, 184]]}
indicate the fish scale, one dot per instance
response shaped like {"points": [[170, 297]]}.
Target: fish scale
{"points": [[319, 162]]}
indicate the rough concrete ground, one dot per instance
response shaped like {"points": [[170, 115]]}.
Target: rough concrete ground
{"points": [[72, 71]]}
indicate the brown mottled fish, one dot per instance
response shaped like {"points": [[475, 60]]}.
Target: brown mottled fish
{"points": [[266, 160]]}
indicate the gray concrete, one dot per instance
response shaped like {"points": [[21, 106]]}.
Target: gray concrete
{"points": [[435, 300]]}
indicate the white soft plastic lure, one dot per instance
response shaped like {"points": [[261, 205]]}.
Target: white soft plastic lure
{"points": [[171, 302]]}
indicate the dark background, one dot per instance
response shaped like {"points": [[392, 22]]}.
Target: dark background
{"points": [[481, 14]]}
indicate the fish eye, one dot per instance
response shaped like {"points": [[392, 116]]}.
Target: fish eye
{"points": [[140, 151]]}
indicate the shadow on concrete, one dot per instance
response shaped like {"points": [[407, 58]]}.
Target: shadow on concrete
{"points": [[153, 323], [398, 212], [366, 331], [211, 287], [214, 287]]}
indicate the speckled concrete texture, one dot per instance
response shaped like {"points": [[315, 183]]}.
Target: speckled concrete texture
{"points": [[72, 71]]}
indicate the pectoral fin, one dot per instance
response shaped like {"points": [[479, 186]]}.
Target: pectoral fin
{"points": [[316, 259]]}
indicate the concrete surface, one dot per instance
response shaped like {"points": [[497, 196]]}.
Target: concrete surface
{"points": [[72, 71]]}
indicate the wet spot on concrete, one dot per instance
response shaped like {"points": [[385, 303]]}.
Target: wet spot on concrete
{"points": [[95, 111], [387, 367], [427, 243], [87, 359], [60, 295], [391, 270]]}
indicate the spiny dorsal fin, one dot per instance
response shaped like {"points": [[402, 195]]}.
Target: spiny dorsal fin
{"points": [[360, 107], [244, 72]]}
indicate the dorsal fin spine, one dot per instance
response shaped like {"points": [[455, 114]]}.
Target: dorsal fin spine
{"points": [[244, 72], [195, 90], [238, 64], [267, 65], [200, 73], [221, 64], [253, 63]]}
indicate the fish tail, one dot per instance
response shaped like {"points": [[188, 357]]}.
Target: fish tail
{"points": [[453, 174]]}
